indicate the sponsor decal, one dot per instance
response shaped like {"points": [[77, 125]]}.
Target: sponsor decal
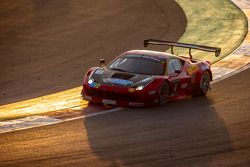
{"points": [[143, 56], [106, 101], [151, 58], [192, 69], [118, 81], [94, 85], [87, 97]]}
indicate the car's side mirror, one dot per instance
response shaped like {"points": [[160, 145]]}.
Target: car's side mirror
{"points": [[102, 62], [176, 73]]}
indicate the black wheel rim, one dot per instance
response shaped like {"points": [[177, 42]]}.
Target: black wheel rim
{"points": [[163, 94], [205, 82]]}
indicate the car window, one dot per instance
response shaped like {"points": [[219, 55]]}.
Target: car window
{"points": [[138, 64], [173, 65]]}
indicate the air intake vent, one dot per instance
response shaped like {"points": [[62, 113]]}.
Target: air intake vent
{"points": [[124, 76]]}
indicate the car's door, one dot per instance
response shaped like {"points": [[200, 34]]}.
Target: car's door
{"points": [[177, 75]]}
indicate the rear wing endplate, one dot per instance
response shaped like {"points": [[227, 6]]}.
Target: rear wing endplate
{"points": [[216, 50]]}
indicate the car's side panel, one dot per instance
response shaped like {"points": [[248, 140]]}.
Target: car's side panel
{"points": [[180, 83], [201, 67], [188, 81]]}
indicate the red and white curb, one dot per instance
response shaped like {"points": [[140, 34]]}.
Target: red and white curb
{"points": [[236, 62]]}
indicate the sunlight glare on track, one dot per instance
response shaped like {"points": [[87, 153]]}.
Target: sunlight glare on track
{"points": [[68, 99]]}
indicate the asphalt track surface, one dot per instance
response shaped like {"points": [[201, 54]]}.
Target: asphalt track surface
{"points": [[203, 131], [47, 46]]}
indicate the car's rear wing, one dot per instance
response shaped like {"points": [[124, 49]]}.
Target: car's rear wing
{"points": [[216, 50]]}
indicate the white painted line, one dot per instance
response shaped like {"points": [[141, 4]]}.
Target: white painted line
{"points": [[94, 114], [38, 121], [219, 72], [234, 72], [25, 123], [243, 49]]}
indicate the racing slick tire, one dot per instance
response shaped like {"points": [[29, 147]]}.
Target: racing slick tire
{"points": [[163, 93], [205, 83]]}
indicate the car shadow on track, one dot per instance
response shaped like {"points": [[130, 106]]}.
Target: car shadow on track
{"points": [[182, 133]]}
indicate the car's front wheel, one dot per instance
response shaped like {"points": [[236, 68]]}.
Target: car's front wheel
{"points": [[163, 93]]}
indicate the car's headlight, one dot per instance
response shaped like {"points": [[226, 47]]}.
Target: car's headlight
{"points": [[140, 87], [143, 83], [91, 75], [90, 81]]}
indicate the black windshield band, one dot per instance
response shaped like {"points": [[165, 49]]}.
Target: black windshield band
{"points": [[139, 64]]}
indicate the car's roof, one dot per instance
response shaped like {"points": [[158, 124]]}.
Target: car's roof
{"points": [[151, 54]]}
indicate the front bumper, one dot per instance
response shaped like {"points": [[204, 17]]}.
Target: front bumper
{"points": [[120, 96]]}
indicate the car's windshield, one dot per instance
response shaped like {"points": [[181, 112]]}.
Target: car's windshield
{"points": [[138, 64]]}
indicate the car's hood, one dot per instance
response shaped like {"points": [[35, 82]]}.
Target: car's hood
{"points": [[113, 77]]}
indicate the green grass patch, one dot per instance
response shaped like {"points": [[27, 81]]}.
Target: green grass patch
{"points": [[218, 23]]}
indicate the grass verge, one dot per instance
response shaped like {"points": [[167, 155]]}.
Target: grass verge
{"points": [[213, 23]]}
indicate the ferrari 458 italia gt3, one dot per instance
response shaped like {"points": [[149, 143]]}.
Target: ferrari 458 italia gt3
{"points": [[145, 78]]}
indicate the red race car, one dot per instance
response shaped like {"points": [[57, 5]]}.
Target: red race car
{"points": [[145, 78]]}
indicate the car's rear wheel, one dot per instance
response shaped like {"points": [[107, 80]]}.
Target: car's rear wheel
{"points": [[163, 93], [205, 83]]}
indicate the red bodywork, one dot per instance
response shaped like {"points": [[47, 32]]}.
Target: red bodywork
{"points": [[182, 84]]}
